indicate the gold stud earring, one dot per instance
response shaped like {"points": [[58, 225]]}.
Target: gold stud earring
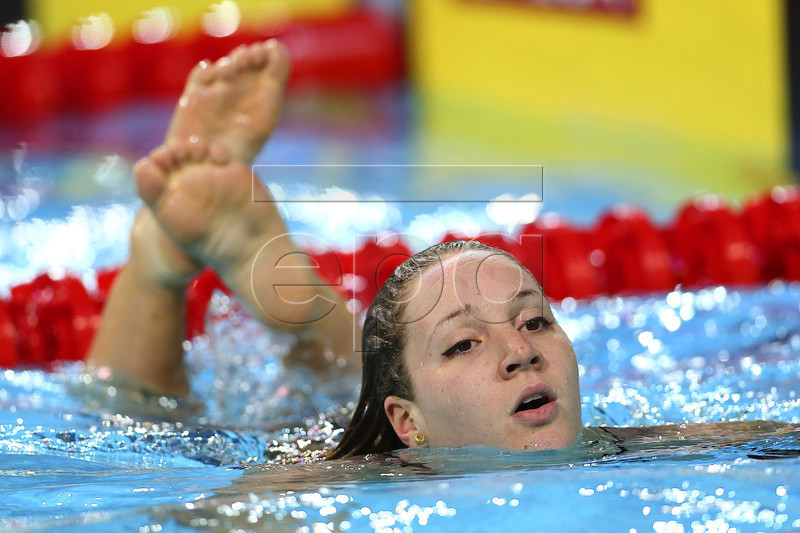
{"points": [[420, 440]]}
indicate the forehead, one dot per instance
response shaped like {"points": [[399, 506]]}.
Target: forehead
{"points": [[476, 267], [476, 278]]}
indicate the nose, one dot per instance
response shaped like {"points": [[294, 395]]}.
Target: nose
{"points": [[518, 355]]}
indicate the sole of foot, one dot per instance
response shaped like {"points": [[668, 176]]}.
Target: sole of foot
{"points": [[235, 101]]}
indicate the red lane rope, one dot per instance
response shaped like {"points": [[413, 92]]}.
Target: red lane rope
{"points": [[48, 320], [356, 48]]}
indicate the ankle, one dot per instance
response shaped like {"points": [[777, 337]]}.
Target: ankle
{"points": [[151, 281]]}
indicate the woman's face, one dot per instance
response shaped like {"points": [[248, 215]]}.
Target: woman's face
{"points": [[487, 361]]}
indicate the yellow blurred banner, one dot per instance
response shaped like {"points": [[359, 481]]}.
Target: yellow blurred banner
{"points": [[57, 18], [610, 7], [685, 89]]}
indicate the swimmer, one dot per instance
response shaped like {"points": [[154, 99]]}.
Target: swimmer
{"points": [[460, 346]]}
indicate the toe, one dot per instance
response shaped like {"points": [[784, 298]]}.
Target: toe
{"points": [[179, 152], [257, 56], [225, 67], [240, 60], [238, 53], [218, 153], [197, 149], [150, 180], [202, 73], [162, 157], [277, 60]]}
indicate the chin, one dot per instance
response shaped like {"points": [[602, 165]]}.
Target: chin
{"points": [[550, 440]]}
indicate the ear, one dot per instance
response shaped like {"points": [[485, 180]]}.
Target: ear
{"points": [[401, 415]]}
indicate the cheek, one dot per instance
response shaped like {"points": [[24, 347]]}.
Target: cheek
{"points": [[568, 357], [570, 372], [455, 396], [430, 387]]}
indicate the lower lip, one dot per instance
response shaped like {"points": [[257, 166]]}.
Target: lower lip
{"points": [[537, 417]]}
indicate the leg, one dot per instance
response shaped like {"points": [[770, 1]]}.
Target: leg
{"points": [[200, 211], [235, 102], [143, 323], [202, 201], [142, 330]]}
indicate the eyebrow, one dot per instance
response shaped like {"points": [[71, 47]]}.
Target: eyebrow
{"points": [[467, 308], [463, 310]]}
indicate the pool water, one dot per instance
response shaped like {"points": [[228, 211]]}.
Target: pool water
{"points": [[94, 453], [733, 355]]}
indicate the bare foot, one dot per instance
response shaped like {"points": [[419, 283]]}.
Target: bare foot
{"points": [[203, 200], [235, 101]]}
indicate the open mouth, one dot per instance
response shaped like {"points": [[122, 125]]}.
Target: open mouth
{"points": [[533, 401], [537, 405]]}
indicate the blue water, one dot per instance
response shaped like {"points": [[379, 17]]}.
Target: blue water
{"points": [[84, 453], [67, 460]]}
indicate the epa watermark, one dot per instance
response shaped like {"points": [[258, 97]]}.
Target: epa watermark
{"points": [[402, 184], [298, 287]]}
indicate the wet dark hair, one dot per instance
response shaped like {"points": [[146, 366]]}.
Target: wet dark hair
{"points": [[384, 372]]}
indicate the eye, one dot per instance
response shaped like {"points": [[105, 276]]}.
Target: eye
{"points": [[536, 323], [459, 347]]}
